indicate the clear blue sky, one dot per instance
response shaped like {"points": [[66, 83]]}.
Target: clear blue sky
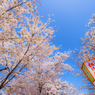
{"points": [[70, 16]]}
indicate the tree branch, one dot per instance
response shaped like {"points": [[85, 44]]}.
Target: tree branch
{"points": [[4, 69], [14, 7], [3, 83]]}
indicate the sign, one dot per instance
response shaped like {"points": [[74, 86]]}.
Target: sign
{"points": [[88, 68]]}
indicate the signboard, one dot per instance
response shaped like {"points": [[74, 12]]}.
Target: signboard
{"points": [[88, 68]]}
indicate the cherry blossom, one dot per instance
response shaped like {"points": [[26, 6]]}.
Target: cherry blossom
{"points": [[87, 51]]}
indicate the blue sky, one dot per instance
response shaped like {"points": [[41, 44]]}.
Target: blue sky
{"points": [[70, 16]]}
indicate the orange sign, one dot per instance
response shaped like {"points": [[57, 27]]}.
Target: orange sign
{"points": [[88, 68]]}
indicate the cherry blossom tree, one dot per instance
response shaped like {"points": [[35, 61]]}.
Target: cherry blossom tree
{"points": [[41, 78], [27, 64], [22, 38], [86, 52]]}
